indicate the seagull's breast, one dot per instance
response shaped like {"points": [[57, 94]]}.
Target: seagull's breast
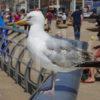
{"points": [[36, 43]]}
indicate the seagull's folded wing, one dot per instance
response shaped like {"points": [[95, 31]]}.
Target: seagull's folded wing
{"points": [[82, 45], [65, 59]]}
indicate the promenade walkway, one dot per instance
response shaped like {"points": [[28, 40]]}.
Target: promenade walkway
{"points": [[9, 90]]}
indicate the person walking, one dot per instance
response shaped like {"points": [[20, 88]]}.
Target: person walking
{"points": [[77, 21], [17, 16], [49, 17], [22, 16], [64, 18]]}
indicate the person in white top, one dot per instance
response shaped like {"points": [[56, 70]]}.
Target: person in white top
{"points": [[64, 17]]}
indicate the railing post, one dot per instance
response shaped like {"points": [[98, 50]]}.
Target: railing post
{"points": [[8, 67], [17, 72], [27, 75], [26, 78], [1, 62]]}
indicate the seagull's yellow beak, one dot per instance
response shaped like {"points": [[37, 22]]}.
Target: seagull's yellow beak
{"points": [[20, 23]]}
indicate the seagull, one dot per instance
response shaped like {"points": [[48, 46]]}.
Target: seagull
{"points": [[51, 53]]}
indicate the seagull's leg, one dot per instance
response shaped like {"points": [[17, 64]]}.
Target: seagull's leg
{"points": [[52, 91]]}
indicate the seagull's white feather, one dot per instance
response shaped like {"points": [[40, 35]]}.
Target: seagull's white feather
{"points": [[51, 53]]}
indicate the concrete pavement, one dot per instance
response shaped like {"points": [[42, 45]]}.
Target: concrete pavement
{"points": [[9, 90], [89, 91]]}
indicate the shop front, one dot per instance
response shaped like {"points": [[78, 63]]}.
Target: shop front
{"points": [[88, 4], [66, 4]]}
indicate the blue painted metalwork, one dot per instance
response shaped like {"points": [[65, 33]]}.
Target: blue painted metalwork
{"points": [[65, 86], [3, 36], [96, 4]]}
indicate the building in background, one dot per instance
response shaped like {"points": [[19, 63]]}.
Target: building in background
{"points": [[88, 4], [20, 4], [6, 4], [66, 4], [31, 4], [96, 3], [2, 6]]}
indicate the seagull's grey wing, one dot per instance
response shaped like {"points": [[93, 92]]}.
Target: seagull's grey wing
{"points": [[64, 58], [61, 52], [81, 45], [59, 44]]}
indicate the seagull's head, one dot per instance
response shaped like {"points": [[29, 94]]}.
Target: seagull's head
{"points": [[32, 18]]}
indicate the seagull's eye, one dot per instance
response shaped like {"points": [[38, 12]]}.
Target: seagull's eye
{"points": [[29, 17]]}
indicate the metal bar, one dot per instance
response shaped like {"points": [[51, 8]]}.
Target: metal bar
{"points": [[12, 41], [14, 29], [90, 64], [39, 87]]}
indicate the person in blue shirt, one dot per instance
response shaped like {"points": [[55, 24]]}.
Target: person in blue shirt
{"points": [[2, 23], [77, 21], [3, 35]]}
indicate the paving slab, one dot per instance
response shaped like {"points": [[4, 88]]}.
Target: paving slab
{"points": [[9, 90], [89, 91]]}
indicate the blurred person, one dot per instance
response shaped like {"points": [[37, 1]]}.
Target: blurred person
{"points": [[92, 71], [64, 17], [97, 58], [2, 12], [2, 23], [49, 17], [36, 9], [10, 17], [98, 35], [89, 73], [69, 15], [55, 12], [3, 37], [98, 20], [77, 21], [22, 15], [17, 17], [97, 52]]}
